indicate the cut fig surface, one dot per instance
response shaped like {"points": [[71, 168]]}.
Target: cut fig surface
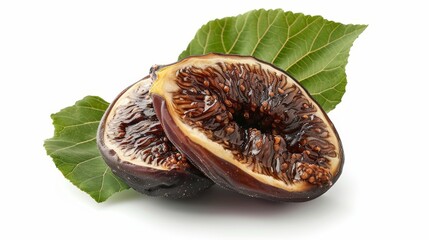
{"points": [[132, 142], [248, 126]]}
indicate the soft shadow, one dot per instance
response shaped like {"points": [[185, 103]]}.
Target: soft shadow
{"points": [[219, 201]]}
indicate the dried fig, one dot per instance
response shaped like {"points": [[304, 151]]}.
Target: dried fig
{"points": [[132, 142], [248, 126]]}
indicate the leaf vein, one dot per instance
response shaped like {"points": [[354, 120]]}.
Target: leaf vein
{"points": [[81, 124], [290, 37], [74, 145], [80, 163], [317, 49], [238, 33], [265, 32], [102, 184]]}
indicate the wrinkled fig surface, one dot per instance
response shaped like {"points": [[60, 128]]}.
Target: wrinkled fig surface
{"points": [[133, 144], [248, 126]]}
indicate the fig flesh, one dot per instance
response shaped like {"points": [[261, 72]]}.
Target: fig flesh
{"points": [[133, 144], [248, 126]]}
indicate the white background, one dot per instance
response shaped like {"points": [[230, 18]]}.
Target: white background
{"points": [[53, 53]]}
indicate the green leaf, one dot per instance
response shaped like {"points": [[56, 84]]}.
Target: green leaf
{"points": [[310, 48], [74, 150]]}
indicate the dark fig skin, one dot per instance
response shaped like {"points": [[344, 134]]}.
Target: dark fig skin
{"points": [[226, 174], [173, 183]]}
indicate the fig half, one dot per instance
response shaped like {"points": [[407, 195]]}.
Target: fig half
{"points": [[133, 144], [248, 126]]}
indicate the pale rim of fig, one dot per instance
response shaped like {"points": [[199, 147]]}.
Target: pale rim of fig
{"points": [[164, 85]]}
